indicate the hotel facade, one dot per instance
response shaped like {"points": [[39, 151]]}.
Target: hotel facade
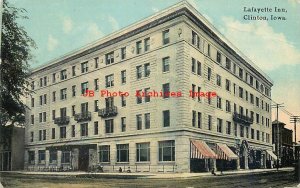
{"points": [[71, 126]]}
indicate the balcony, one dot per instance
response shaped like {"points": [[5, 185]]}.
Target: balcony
{"points": [[108, 112], [85, 116], [240, 118], [64, 120]]}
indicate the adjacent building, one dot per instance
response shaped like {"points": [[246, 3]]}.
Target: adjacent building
{"points": [[88, 107], [285, 146]]}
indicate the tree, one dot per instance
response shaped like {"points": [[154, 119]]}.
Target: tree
{"points": [[16, 48]]}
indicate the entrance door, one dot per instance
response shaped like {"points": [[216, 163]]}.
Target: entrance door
{"points": [[83, 159]]}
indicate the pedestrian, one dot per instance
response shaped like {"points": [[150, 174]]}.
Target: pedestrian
{"points": [[120, 169], [213, 172]]}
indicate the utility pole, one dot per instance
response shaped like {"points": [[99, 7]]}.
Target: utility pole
{"points": [[295, 119], [277, 106]]}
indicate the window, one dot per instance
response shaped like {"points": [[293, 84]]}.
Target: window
{"points": [[41, 82], [193, 118], [63, 112], [53, 133], [40, 117], [31, 136], [63, 94], [209, 123], [73, 110], [195, 39], [109, 126], [208, 73], [234, 68], [84, 87], [242, 131], [228, 106], [167, 150], [84, 129], [73, 133], [123, 124], [139, 72], [138, 47], [198, 68], [139, 98], [139, 122], [147, 96], [251, 80], [74, 70], [44, 116], [199, 120], [109, 58], [32, 102], [84, 67], [45, 98], [257, 118], [142, 152], [241, 91], [166, 64], [42, 156], [96, 126], [219, 102], [228, 85], [32, 85], [218, 57], [246, 93], [241, 73], [65, 156], [123, 77], [166, 118], [193, 65], [208, 50], [257, 84], [96, 105], [234, 86], [109, 80], [40, 135], [166, 39], [147, 69], [252, 133], [53, 96], [122, 152], [31, 157], [62, 132], [41, 99], [199, 97], [147, 44], [45, 81], [53, 77], [74, 91], [123, 101], [193, 90], [228, 63], [219, 125], [235, 129], [166, 90], [228, 127], [218, 80], [257, 134], [104, 153], [52, 157], [251, 98], [32, 119], [96, 60], [257, 102], [247, 132], [53, 114], [123, 53], [63, 74], [147, 121], [96, 83]]}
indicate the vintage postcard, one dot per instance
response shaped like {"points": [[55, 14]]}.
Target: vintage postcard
{"points": [[150, 93]]}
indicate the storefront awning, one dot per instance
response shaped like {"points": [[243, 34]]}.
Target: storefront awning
{"points": [[200, 150], [224, 152], [270, 152]]}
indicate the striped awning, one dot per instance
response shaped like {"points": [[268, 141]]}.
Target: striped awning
{"points": [[270, 152], [224, 152], [200, 150]]}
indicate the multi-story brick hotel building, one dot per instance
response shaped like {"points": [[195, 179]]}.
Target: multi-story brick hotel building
{"points": [[175, 50]]}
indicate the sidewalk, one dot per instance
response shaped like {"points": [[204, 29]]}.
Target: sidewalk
{"points": [[149, 175]]}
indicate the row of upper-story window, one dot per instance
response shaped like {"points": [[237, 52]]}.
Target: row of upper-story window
{"points": [[219, 105], [108, 128], [109, 59], [231, 66], [243, 94], [197, 121]]}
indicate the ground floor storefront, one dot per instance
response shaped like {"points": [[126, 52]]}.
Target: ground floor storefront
{"points": [[159, 153]]}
